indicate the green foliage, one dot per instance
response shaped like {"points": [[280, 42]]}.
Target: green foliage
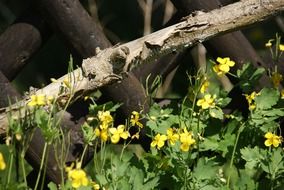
{"points": [[249, 76], [267, 98], [194, 144]]}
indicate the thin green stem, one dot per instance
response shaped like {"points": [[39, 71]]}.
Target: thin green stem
{"points": [[233, 153], [11, 158], [103, 156], [44, 170], [198, 132], [233, 75], [41, 165], [84, 152], [22, 157], [123, 148]]}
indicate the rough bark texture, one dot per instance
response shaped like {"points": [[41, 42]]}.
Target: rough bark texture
{"points": [[86, 35], [194, 29], [18, 43], [75, 25]]}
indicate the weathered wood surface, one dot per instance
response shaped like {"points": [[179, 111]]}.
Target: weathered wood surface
{"points": [[194, 29], [19, 43]]}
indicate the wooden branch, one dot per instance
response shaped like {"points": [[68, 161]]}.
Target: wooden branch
{"points": [[74, 24], [19, 42], [107, 65]]}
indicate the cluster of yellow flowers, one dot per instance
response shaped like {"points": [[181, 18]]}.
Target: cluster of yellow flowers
{"points": [[204, 86], [78, 177], [105, 128], [173, 136], [224, 65], [117, 133], [40, 100], [134, 119], [272, 139], [2, 162], [208, 101], [276, 77], [269, 45], [250, 98]]}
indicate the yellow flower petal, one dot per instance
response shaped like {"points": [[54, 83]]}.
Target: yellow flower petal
{"points": [[272, 139], [269, 43], [281, 47], [125, 135], [184, 147], [268, 135], [115, 138], [224, 68], [2, 162]]}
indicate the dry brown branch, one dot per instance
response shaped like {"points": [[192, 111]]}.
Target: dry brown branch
{"points": [[107, 66]]}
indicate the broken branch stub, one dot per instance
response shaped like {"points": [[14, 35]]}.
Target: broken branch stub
{"points": [[109, 64]]}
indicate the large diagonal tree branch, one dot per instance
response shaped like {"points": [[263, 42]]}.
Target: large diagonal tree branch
{"points": [[105, 68]]}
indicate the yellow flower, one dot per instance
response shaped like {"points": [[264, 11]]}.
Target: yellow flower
{"points": [[224, 65], [276, 79], [281, 47], [272, 139], [95, 186], [37, 100], [252, 106], [118, 133], [172, 137], [77, 177], [18, 136], [269, 43], [8, 140], [217, 70], [2, 162], [250, 98], [86, 98], [204, 86], [105, 118], [159, 141], [67, 83], [136, 135], [101, 134], [282, 94], [186, 140], [134, 119], [206, 102]]}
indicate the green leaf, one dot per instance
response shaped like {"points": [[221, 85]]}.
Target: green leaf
{"points": [[216, 113], [110, 106], [210, 143], [227, 143], [277, 163], [245, 180], [252, 156], [224, 101], [151, 184], [249, 76], [267, 98], [205, 169]]}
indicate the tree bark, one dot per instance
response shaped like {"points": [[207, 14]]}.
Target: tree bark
{"points": [[101, 70]]}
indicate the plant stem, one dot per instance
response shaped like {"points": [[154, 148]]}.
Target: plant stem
{"points": [[41, 165], [233, 153], [84, 152], [23, 168], [44, 170], [123, 148], [10, 167]]}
